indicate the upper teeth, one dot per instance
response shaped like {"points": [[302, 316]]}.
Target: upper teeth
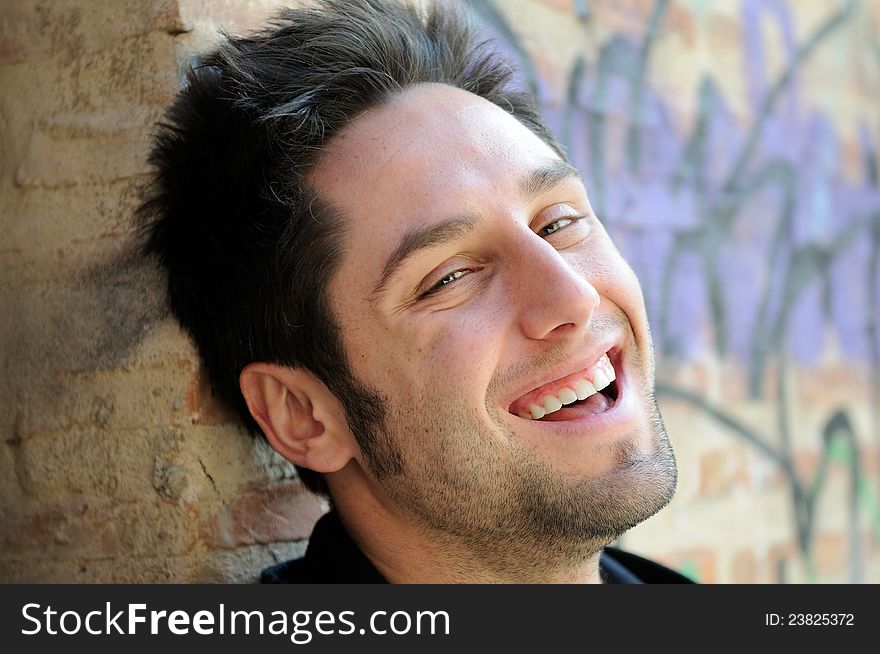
{"points": [[602, 373]]}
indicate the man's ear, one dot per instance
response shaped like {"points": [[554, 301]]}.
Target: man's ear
{"points": [[302, 419]]}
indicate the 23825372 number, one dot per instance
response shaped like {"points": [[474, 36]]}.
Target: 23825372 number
{"points": [[821, 619]]}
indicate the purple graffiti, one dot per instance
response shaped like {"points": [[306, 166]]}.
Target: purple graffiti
{"points": [[754, 255]]}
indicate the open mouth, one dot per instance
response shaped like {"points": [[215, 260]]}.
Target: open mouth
{"points": [[587, 392]]}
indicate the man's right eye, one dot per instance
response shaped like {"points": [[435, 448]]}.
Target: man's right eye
{"points": [[445, 281]]}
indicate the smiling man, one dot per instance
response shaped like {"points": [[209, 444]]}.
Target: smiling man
{"points": [[392, 271]]}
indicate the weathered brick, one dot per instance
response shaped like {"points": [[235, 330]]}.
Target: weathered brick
{"points": [[702, 564], [10, 486], [202, 403], [52, 161], [784, 561], [105, 464], [236, 17], [282, 511], [833, 384], [243, 564], [162, 344], [723, 471], [834, 556], [745, 568], [239, 565], [88, 529], [89, 324], [31, 30], [107, 400], [106, 211]]}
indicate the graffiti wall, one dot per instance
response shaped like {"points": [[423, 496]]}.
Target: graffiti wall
{"points": [[731, 150]]}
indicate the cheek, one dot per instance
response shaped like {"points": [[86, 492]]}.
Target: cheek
{"points": [[463, 349], [467, 342], [613, 278], [431, 352], [616, 282]]}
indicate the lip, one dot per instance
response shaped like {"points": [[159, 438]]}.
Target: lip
{"points": [[567, 368], [612, 421]]}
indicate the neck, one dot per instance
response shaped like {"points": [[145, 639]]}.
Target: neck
{"points": [[406, 551]]}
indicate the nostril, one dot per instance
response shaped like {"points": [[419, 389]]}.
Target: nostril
{"points": [[564, 330]]}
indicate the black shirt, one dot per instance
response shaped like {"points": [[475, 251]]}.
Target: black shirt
{"points": [[333, 558]]}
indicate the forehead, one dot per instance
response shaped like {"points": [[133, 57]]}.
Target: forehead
{"points": [[433, 148]]}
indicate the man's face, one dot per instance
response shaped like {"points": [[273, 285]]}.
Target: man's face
{"points": [[476, 282]]}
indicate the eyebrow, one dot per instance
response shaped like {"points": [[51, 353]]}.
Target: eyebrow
{"points": [[538, 181], [546, 177]]}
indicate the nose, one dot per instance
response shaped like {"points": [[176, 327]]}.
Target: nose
{"points": [[555, 299]]}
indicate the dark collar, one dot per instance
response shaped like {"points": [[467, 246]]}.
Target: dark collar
{"points": [[333, 558]]}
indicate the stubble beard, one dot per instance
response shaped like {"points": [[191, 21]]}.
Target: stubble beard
{"points": [[492, 503]]}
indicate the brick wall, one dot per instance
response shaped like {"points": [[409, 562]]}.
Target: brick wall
{"points": [[731, 149], [116, 465]]}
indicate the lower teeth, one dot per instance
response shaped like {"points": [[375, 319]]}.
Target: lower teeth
{"points": [[595, 404]]}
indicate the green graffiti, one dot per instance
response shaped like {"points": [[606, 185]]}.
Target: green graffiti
{"points": [[689, 569]]}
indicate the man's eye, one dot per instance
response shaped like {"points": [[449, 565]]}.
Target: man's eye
{"points": [[445, 281], [555, 226]]}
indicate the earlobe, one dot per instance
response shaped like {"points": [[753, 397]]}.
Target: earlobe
{"points": [[299, 416]]}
